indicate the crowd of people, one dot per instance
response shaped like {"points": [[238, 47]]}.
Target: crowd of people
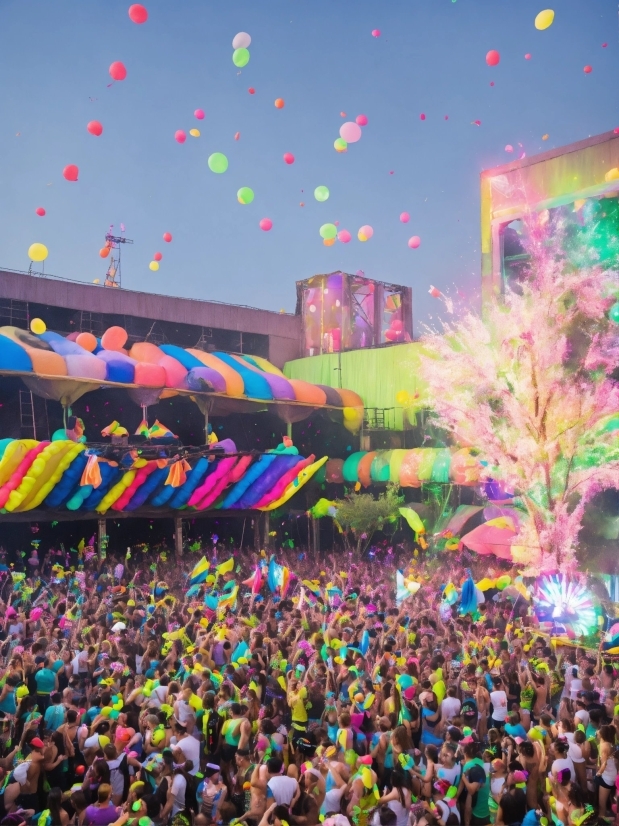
{"points": [[124, 698]]}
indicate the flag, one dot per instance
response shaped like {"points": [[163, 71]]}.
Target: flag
{"points": [[273, 577], [227, 602], [200, 572], [225, 567], [284, 580]]}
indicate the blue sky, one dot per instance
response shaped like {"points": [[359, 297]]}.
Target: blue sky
{"points": [[320, 57]]}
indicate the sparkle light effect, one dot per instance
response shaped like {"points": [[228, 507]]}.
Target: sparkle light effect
{"points": [[566, 601]]}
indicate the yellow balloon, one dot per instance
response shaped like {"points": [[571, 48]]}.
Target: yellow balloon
{"points": [[612, 174], [544, 19], [37, 252], [154, 266], [195, 133], [350, 414], [38, 326], [403, 397]]}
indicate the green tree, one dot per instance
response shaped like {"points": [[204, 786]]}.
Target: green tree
{"points": [[359, 515]]}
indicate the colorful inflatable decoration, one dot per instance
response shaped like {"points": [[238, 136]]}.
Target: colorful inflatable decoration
{"points": [[69, 476], [62, 369]]}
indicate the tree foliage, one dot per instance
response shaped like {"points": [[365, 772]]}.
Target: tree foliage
{"points": [[359, 515]]}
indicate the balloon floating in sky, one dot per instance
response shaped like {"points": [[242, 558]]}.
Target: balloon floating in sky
{"points": [[321, 193], [414, 242], [245, 195], [138, 14], [545, 137], [350, 131], [527, 56], [365, 233], [328, 231], [265, 224], [588, 69], [237, 135], [118, 71], [493, 58], [328, 242], [195, 133], [340, 145], [344, 236], [241, 41], [40, 211], [288, 158], [37, 252], [104, 252], [154, 266], [157, 256], [217, 162], [95, 128], [279, 103], [361, 120], [251, 90], [199, 114], [509, 148], [375, 32], [544, 19], [180, 136], [167, 237], [70, 172], [422, 116], [37, 325], [405, 217], [240, 58]]}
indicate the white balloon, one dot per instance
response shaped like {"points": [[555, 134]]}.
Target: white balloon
{"points": [[241, 41]]}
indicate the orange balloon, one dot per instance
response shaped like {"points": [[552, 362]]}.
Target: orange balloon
{"points": [[114, 338], [279, 103], [328, 242], [87, 341], [104, 252]]}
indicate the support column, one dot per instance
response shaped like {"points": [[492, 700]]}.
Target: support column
{"points": [[315, 534], [289, 430], [266, 527], [257, 548], [178, 536], [101, 536]]}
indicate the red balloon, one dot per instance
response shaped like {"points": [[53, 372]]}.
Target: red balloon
{"points": [[588, 69], [157, 256], [138, 14], [70, 172], [118, 71], [493, 58], [40, 211], [95, 128], [527, 56], [251, 90], [167, 236], [288, 157]]}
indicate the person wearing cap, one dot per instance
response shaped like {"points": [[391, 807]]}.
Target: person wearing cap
{"points": [[29, 784], [211, 793]]}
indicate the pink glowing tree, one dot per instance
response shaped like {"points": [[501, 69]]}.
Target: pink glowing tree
{"points": [[529, 384]]}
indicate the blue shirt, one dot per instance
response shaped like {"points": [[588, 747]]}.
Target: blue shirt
{"points": [[515, 731], [54, 717], [45, 680]]}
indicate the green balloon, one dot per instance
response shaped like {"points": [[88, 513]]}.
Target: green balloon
{"points": [[321, 193], [340, 145], [245, 195], [240, 57], [328, 231], [613, 313], [218, 162]]}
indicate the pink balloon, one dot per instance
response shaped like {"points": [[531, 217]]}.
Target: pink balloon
{"points": [[405, 217], [527, 56], [40, 211], [367, 231], [588, 69], [70, 172], [288, 157], [361, 120], [157, 256], [493, 58], [95, 128], [199, 114], [138, 13], [509, 148], [344, 236], [118, 71], [265, 224], [422, 116], [167, 237], [375, 32], [180, 136], [414, 242], [350, 131]]}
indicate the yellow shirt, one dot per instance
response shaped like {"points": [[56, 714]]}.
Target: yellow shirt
{"points": [[296, 701]]}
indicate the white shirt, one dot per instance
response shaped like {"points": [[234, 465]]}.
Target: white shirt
{"points": [[179, 786], [575, 687], [191, 749], [283, 789], [450, 708], [499, 705]]}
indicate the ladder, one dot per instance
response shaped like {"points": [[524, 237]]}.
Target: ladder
{"points": [[91, 323], [31, 425], [14, 313]]}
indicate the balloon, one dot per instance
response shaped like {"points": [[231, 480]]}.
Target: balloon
{"points": [[167, 236], [493, 58], [375, 32], [403, 397], [118, 71], [87, 341], [405, 217], [180, 136], [321, 193], [527, 56], [95, 128], [37, 252], [509, 148], [397, 325], [104, 252], [154, 266], [344, 236], [138, 14], [288, 157], [328, 231], [70, 172], [350, 131], [328, 242], [251, 90], [588, 69], [157, 256], [218, 162], [241, 41], [195, 133], [544, 19], [361, 120], [279, 103], [612, 174], [422, 116], [114, 338], [365, 233], [613, 313], [237, 135], [40, 211], [245, 195], [240, 58], [340, 145], [199, 114], [38, 326], [414, 242], [265, 224]]}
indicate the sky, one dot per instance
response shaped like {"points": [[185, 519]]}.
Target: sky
{"points": [[321, 58]]}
